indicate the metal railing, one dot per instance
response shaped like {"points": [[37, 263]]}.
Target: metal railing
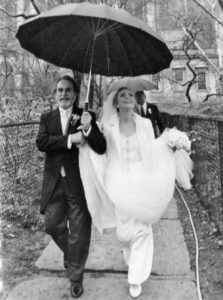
{"points": [[207, 154], [22, 166], [20, 173]]}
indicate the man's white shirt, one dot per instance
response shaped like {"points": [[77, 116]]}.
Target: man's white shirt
{"points": [[64, 118], [65, 115]]}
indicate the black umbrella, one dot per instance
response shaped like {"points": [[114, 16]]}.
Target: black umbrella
{"points": [[95, 39]]}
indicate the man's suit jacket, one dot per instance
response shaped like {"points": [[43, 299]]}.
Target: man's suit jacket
{"points": [[51, 140], [152, 113]]}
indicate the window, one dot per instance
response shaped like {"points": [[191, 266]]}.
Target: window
{"points": [[178, 74], [201, 79], [178, 79], [156, 79]]}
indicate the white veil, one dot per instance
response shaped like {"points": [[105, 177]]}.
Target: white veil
{"points": [[108, 110], [92, 167]]}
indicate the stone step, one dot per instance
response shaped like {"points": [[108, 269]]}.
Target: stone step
{"points": [[110, 287], [170, 255]]}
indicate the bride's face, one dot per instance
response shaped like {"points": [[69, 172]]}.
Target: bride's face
{"points": [[126, 99]]}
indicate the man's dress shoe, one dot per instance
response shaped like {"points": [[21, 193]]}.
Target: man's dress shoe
{"points": [[76, 290]]}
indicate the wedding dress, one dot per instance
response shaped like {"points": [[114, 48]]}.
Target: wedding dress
{"points": [[141, 188], [130, 187], [136, 237]]}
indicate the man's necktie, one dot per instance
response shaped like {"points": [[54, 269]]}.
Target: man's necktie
{"points": [[142, 112]]}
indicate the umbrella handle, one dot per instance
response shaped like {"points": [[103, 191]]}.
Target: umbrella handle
{"points": [[86, 106], [90, 75], [88, 92]]}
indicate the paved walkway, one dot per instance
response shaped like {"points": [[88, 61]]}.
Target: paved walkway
{"points": [[106, 273]]}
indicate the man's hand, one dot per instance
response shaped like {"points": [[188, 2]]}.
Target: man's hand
{"points": [[77, 138], [86, 120]]}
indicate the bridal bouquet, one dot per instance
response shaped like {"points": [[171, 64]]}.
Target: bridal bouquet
{"points": [[176, 139]]}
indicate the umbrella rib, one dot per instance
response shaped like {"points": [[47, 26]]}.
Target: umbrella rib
{"points": [[95, 30], [86, 56], [110, 28], [92, 23], [98, 25], [102, 28], [143, 54], [107, 50], [68, 47], [66, 52], [121, 43]]}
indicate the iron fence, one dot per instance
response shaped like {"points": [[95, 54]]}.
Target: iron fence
{"points": [[22, 166], [207, 154], [20, 173]]}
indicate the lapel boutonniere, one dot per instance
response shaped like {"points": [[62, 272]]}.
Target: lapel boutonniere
{"points": [[74, 118], [150, 110]]}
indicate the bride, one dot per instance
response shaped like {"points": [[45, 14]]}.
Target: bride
{"points": [[131, 186]]}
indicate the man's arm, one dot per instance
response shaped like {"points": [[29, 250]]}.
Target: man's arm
{"points": [[158, 119], [96, 139], [92, 133], [46, 142]]}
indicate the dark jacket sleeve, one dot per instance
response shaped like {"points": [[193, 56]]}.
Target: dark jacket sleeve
{"points": [[158, 119], [47, 142], [96, 139]]}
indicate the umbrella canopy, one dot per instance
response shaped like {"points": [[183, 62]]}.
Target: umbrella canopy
{"points": [[98, 38], [133, 83]]}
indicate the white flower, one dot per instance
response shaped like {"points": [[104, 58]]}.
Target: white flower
{"points": [[175, 138], [74, 119]]}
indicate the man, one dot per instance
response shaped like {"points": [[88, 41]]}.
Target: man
{"points": [[148, 110], [63, 199]]}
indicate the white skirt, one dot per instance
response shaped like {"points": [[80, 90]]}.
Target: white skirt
{"points": [[139, 191]]}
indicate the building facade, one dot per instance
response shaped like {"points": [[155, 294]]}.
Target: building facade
{"points": [[174, 21]]}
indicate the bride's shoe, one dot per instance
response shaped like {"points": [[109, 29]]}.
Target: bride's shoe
{"points": [[135, 290]]}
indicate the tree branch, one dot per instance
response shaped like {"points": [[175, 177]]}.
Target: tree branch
{"points": [[7, 28], [209, 95], [35, 6], [210, 14], [189, 34], [17, 16]]}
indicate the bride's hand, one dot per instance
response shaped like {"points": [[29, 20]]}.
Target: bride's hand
{"points": [[76, 138], [83, 141], [86, 120]]}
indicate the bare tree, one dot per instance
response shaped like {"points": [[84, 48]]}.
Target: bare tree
{"points": [[208, 11], [197, 34], [187, 45]]}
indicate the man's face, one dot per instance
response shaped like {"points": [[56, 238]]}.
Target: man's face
{"points": [[65, 95], [140, 98]]}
